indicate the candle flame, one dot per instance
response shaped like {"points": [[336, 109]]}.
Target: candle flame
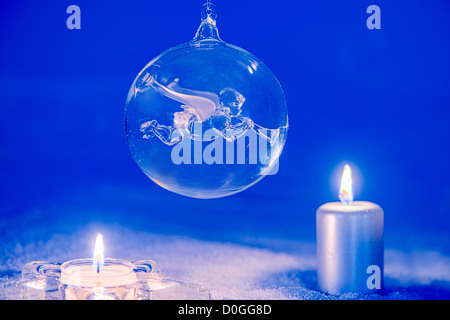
{"points": [[99, 259], [345, 192]]}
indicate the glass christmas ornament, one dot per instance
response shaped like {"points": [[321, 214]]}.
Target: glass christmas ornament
{"points": [[206, 119]]}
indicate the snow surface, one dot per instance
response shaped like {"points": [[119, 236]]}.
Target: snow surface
{"points": [[230, 270]]}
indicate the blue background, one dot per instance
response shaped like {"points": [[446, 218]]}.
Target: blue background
{"points": [[378, 99]]}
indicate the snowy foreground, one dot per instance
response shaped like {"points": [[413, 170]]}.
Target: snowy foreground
{"points": [[234, 271]]}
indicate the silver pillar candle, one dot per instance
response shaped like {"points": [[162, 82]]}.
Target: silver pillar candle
{"points": [[349, 244]]}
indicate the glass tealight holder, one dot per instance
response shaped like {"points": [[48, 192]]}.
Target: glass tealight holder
{"points": [[78, 280], [118, 280]]}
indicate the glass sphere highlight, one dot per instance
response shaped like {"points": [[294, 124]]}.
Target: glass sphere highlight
{"points": [[206, 119]]}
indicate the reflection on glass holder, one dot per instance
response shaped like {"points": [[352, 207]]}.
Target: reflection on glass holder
{"points": [[138, 280]]}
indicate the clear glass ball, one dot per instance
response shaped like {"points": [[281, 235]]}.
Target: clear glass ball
{"points": [[206, 119]]}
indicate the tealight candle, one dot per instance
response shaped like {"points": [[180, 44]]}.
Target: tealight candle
{"points": [[349, 244], [98, 278]]}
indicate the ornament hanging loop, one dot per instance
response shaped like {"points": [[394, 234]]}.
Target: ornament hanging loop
{"points": [[207, 29], [209, 11]]}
